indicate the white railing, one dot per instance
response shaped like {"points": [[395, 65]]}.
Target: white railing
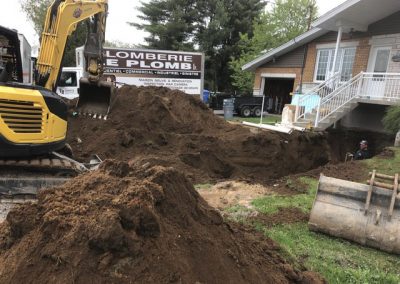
{"points": [[309, 102], [381, 86], [339, 98], [371, 86]]}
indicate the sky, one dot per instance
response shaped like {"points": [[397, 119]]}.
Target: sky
{"points": [[120, 12]]}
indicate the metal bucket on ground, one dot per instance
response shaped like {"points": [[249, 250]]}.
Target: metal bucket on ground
{"points": [[366, 214], [228, 108], [95, 98]]}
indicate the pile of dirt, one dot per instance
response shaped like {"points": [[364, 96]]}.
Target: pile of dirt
{"points": [[133, 224], [170, 128]]}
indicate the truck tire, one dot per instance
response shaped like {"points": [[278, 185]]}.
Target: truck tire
{"points": [[245, 111], [257, 111]]}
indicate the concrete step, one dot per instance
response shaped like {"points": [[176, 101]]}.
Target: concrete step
{"points": [[305, 124]]}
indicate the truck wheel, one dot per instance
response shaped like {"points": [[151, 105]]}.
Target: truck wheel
{"points": [[257, 111], [245, 111]]}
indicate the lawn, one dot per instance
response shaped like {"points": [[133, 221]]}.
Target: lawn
{"points": [[269, 119], [339, 261]]}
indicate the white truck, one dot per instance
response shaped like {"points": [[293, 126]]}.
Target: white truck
{"points": [[68, 84], [172, 69]]}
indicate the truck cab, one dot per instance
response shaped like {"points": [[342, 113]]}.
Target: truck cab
{"points": [[68, 84]]}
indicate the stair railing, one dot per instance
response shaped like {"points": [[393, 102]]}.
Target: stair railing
{"points": [[339, 98], [310, 101]]}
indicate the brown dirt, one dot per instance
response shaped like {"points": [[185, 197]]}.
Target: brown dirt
{"points": [[170, 128], [131, 224], [229, 193], [351, 171], [289, 215]]}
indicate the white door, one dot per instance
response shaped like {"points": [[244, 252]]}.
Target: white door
{"points": [[378, 65]]}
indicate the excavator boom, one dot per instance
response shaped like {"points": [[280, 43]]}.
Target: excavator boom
{"points": [[61, 21]]}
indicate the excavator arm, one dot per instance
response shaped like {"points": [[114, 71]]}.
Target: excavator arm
{"points": [[61, 21]]}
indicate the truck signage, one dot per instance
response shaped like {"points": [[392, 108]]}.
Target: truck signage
{"points": [[175, 70]]}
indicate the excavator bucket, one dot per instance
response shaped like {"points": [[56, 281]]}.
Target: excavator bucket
{"points": [[366, 214], [95, 99]]}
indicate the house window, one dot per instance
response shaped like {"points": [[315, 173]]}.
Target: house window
{"points": [[344, 63]]}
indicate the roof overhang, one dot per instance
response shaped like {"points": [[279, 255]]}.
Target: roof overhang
{"points": [[357, 15], [285, 48], [352, 15]]}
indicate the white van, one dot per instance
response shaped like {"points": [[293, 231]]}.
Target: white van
{"points": [[68, 85]]}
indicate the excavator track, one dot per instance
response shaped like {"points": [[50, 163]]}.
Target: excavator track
{"points": [[21, 180], [47, 164]]}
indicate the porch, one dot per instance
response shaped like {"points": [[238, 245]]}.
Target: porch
{"points": [[333, 99]]}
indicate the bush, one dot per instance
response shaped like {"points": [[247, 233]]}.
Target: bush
{"points": [[391, 121]]}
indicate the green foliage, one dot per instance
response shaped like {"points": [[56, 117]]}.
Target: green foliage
{"points": [[391, 121], [213, 27], [288, 19], [36, 11], [271, 204], [170, 23], [337, 260]]}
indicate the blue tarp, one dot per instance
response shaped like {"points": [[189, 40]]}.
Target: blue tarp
{"points": [[311, 103]]}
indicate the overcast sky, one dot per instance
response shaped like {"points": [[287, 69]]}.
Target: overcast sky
{"points": [[120, 12]]}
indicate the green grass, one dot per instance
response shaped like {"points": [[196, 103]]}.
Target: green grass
{"points": [[269, 119], [385, 166], [271, 204], [338, 261]]}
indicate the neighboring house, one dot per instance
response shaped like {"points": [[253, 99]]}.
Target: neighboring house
{"points": [[362, 39]]}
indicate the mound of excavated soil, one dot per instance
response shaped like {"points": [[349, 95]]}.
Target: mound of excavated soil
{"points": [[131, 224], [170, 128]]}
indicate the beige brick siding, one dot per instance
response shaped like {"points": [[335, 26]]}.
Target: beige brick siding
{"points": [[361, 60], [360, 63], [362, 56]]}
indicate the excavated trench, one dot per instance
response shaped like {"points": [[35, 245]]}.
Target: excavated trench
{"points": [[169, 128]]}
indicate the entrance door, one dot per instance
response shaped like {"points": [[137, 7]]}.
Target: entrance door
{"points": [[380, 61]]}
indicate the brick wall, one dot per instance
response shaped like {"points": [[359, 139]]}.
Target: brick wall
{"points": [[309, 68], [360, 62], [362, 56]]}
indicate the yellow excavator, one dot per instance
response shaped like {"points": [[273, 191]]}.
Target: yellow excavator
{"points": [[33, 118]]}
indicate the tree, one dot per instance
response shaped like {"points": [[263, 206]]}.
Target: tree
{"points": [[391, 121], [170, 23], [225, 21], [287, 19], [36, 11], [210, 26]]}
